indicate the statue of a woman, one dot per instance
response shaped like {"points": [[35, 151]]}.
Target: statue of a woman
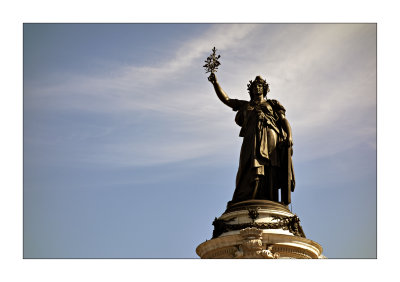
{"points": [[265, 164]]}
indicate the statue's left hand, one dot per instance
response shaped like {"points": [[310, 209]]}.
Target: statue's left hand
{"points": [[289, 142]]}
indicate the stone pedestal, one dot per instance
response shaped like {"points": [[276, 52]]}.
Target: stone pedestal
{"points": [[258, 229]]}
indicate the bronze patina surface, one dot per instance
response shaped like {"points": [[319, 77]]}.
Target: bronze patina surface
{"points": [[265, 164]]}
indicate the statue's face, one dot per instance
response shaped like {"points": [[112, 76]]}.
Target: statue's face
{"points": [[258, 90]]}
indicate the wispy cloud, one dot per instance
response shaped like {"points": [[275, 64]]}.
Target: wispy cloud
{"points": [[323, 74]]}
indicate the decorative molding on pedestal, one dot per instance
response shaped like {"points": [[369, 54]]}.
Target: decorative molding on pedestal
{"points": [[258, 229], [252, 245], [292, 224]]}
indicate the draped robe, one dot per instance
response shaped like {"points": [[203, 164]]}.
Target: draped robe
{"points": [[262, 153]]}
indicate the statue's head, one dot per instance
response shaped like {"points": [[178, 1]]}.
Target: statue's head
{"points": [[254, 84]]}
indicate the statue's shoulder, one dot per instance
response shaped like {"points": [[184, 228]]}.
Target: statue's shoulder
{"points": [[276, 105], [237, 104]]}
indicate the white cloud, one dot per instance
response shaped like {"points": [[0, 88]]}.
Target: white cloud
{"points": [[323, 74]]}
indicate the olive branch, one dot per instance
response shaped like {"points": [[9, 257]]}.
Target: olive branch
{"points": [[212, 62]]}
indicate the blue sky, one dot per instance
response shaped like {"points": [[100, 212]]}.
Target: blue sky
{"points": [[128, 153]]}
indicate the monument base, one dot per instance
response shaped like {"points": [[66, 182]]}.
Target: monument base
{"points": [[258, 229]]}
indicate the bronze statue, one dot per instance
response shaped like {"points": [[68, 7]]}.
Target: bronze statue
{"points": [[265, 164]]}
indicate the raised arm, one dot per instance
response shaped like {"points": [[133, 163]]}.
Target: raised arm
{"points": [[220, 93]]}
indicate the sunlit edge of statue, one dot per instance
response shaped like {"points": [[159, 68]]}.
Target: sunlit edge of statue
{"points": [[265, 163]]}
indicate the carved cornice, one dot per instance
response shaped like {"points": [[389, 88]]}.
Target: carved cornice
{"points": [[292, 224], [289, 252], [246, 244]]}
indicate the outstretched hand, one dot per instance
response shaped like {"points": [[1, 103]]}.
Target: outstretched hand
{"points": [[212, 78]]}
